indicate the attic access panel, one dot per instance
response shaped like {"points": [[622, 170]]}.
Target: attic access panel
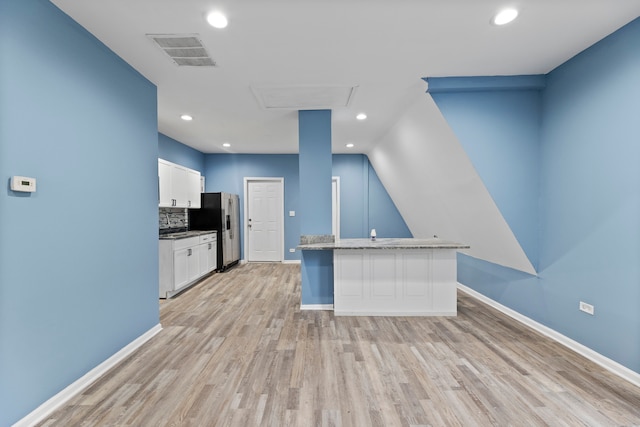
{"points": [[304, 97]]}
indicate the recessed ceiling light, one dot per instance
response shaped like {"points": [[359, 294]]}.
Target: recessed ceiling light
{"points": [[217, 20], [361, 116], [504, 16], [186, 117], [349, 145], [226, 144]]}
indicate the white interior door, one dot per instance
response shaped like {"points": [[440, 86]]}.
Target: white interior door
{"points": [[264, 219]]}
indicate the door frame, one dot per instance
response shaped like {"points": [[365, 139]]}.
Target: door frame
{"points": [[245, 221], [335, 207]]}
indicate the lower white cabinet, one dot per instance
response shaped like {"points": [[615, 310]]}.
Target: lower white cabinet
{"points": [[184, 261], [207, 252], [180, 270]]}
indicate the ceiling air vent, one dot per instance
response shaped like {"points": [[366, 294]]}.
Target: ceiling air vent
{"points": [[184, 49]]}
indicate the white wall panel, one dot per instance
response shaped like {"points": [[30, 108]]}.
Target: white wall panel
{"points": [[399, 282], [383, 275]]}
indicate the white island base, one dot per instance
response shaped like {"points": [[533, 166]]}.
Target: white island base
{"points": [[393, 277], [395, 282]]}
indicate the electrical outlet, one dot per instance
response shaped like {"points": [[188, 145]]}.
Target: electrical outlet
{"points": [[292, 250], [587, 308]]}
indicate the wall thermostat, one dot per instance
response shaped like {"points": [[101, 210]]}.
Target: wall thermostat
{"points": [[23, 184]]}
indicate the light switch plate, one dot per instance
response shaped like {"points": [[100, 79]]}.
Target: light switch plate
{"points": [[292, 213]]}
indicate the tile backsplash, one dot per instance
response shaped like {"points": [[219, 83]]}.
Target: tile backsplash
{"points": [[172, 218]]}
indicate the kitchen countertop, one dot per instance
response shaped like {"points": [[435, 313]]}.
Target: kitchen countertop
{"points": [[185, 234], [384, 243]]}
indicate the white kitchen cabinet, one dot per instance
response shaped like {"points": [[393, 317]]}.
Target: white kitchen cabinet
{"points": [[212, 257], [208, 257], [164, 183], [185, 261], [193, 263], [178, 186], [202, 256], [180, 268], [193, 189]]}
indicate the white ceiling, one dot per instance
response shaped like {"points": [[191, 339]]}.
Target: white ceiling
{"points": [[383, 47]]}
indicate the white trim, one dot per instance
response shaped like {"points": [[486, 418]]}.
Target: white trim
{"points": [[244, 220], [59, 399], [336, 232], [397, 313], [291, 261], [316, 306], [608, 364]]}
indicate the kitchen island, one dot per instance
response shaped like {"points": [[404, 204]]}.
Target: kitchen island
{"points": [[393, 277]]}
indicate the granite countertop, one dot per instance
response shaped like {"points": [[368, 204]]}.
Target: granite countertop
{"points": [[384, 244], [185, 234]]}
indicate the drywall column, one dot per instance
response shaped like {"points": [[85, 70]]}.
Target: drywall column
{"points": [[315, 163]]}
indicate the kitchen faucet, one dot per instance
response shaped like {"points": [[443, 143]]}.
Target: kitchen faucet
{"points": [[168, 222]]}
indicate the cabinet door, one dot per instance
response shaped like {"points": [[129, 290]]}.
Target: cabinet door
{"points": [[193, 189], [193, 263], [179, 180], [180, 268], [203, 253], [211, 255], [164, 183]]}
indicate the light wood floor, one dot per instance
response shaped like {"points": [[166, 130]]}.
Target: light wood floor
{"points": [[237, 351]]}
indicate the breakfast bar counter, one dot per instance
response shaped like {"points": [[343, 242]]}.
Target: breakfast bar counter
{"points": [[393, 277]]}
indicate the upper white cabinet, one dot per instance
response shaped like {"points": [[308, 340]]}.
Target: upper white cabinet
{"points": [[164, 183], [193, 192], [178, 186]]}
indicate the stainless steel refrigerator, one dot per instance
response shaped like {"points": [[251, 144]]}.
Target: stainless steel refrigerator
{"points": [[220, 212]]}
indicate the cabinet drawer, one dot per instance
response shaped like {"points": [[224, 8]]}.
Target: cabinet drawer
{"points": [[185, 243], [208, 238]]}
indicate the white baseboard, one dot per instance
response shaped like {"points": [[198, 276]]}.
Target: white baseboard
{"points": [[316, 306], [397, 313], [286, 261], [608, 364], [55, 402]]}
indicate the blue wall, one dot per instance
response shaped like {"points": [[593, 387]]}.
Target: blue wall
{"points": [[364, 202], [315, 168], [500, 132], [226, 172], [590, 196], [174, 151], [314, 160], [381, 211], [571, 149], [79, 257], [362, 194]]}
